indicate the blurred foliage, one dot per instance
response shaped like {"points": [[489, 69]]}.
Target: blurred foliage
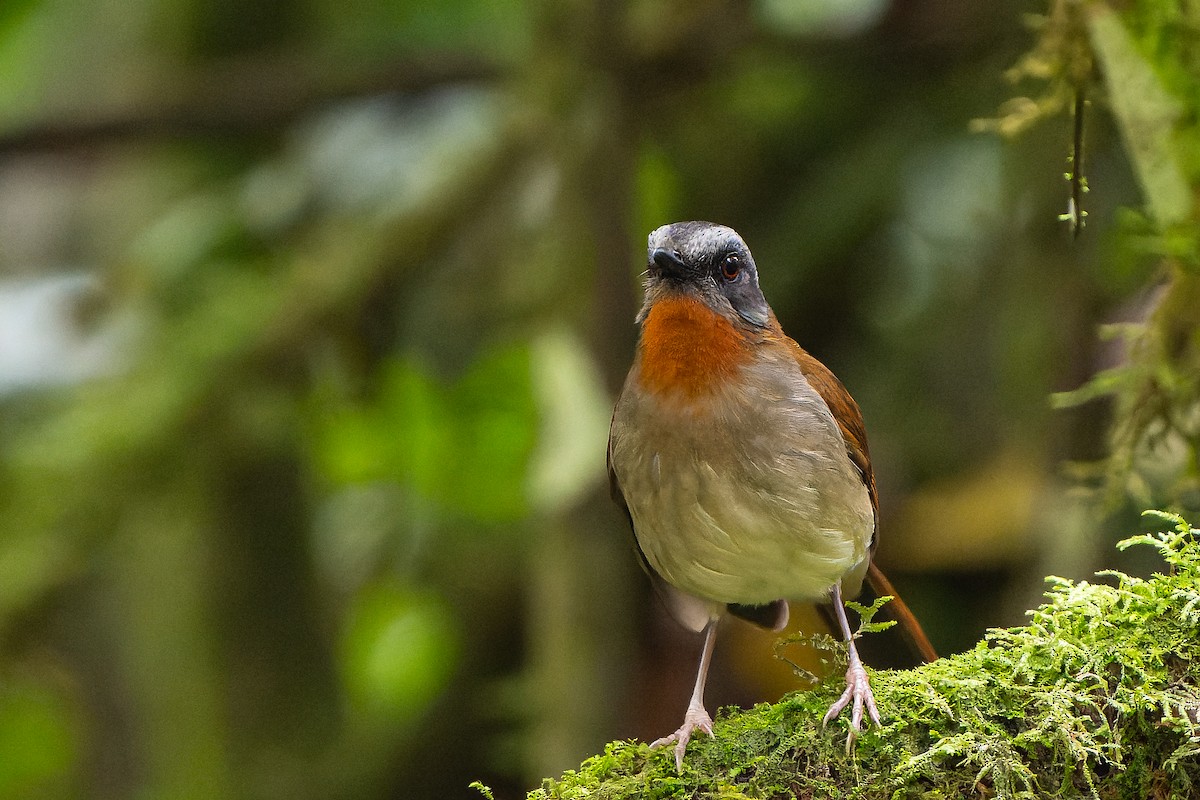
{"points": [[1147, 60], [37, 743], [462, 443], [311, 315]]}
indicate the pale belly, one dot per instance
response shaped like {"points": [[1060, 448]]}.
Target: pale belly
{"points": [[743, 503]]}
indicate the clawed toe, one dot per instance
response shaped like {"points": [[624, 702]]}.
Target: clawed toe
{"points": [[858, 692], [692, 721]]}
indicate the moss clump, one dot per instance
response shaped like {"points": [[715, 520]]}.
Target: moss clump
{"points": [[1098, 696]]}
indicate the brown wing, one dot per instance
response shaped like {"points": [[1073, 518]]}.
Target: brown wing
{"points": [[850, 421], [848, 416]]}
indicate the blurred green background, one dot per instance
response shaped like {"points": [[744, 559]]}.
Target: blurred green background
{"points": [[311, 318]]}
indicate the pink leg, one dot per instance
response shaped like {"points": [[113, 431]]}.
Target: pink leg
{"points": [[696, 716], [857, 687]]}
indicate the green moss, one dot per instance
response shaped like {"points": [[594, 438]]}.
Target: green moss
{"points": [[1098, 696]]}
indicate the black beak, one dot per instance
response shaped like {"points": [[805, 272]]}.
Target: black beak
{"points": [[669, 262]]}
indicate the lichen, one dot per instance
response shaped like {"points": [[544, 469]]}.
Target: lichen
{"points": [[1098, 696]]}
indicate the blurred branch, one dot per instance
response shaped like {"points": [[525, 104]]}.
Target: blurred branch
{"points": [[243, 98], [262, 95]]}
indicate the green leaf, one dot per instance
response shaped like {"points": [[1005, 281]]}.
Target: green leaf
{"points": [[575, 413], [37, 743], [464, 444], [1146, 115], [398, 651], [482, 788], [13, 13]]}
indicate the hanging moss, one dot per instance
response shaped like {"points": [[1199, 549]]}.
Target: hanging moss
{"points": [[1098, 696]]}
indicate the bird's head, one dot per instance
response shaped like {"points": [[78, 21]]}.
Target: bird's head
{"points": [[710, 263]]}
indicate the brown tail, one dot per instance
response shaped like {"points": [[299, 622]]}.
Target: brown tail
{"points": [[898, 610]]}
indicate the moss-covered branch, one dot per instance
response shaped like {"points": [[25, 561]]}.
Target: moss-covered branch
{"points": [[1098, 696]]}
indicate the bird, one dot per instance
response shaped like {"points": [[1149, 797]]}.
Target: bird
{"points": [[740, 460]]}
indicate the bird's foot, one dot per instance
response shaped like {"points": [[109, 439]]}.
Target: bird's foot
{"points": [[858, 689], [695, 718]]}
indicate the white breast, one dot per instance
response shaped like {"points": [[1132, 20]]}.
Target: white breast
{"points": [[744, 498]]}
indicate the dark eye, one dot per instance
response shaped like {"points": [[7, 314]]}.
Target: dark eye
{"points": [[731, 267]]}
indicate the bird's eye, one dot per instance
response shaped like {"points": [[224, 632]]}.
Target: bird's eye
{"points": [[731, 267]]}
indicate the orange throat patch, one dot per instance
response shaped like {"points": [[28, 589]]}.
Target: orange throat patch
{"points": [[688, 349]]}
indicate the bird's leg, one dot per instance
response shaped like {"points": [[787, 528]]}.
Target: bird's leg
{"points": [[857, 687], [696, 716]]}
